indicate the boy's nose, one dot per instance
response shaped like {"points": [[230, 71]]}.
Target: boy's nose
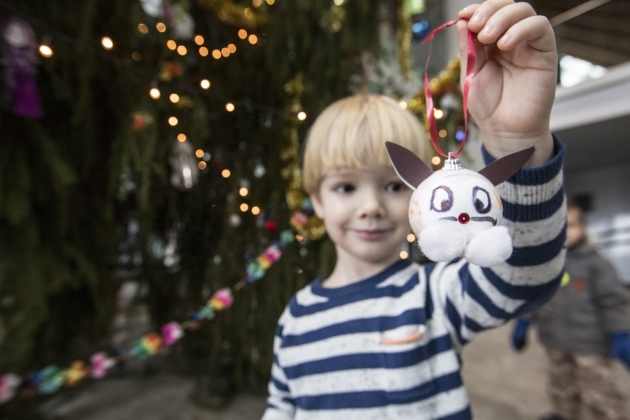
{"points": [[372, 206]]}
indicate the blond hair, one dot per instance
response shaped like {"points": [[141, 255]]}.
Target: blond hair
{"points": [[351, 133]]}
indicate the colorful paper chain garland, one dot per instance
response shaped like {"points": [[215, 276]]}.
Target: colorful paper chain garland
{"points": [[51, 378]]}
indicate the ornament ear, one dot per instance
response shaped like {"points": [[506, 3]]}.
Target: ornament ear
{"points": [[503, 168], [409, 167]]}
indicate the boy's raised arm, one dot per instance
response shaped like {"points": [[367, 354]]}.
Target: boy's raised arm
{"points": [[514, 83]]}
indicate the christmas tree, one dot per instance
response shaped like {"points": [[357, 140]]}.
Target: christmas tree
{"points": [[160, 146]]}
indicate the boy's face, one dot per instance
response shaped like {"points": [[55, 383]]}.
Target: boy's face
{"points": [[365, 212], [576, 231]]}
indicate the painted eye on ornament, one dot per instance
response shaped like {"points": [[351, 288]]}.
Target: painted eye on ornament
{"points": [[442, 199], [481, 200]]}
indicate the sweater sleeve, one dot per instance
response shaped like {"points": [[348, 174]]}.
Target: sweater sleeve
{"points": [[475, 298], [280, 404]]}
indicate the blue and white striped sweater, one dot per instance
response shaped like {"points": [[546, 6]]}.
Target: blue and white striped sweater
{"points": [[334, 357]]}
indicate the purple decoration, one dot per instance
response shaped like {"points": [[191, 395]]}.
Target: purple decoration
{"points": [[19, 56]]}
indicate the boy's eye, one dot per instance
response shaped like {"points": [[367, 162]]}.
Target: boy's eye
{"points": [[395, 186], [344, 188]]}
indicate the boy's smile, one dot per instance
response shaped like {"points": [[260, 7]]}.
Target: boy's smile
{"points": [[365, 212]]}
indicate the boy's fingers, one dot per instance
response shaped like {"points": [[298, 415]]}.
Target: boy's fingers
{"points": [[535, 30], [508, 24], [467, 11], [500, 21], [482, 12]]}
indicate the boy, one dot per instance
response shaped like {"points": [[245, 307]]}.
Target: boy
{"points": [[379, 338], [581, 327]]}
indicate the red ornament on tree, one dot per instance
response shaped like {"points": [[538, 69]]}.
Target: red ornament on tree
{"points": [[271, 226]]}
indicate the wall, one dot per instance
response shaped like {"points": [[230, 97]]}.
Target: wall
{"points": [[609, 219]]}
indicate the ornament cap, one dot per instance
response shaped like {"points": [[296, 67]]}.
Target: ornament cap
{"points": [[452, 164]]}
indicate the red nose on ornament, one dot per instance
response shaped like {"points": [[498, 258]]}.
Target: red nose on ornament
{"points": [[455, 212]]}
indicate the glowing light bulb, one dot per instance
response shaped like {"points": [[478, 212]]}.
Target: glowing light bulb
{"points": [[107, 43], [45, 51], [155, 93]]}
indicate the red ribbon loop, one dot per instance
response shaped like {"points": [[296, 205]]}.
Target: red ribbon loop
{"points": [[470, 72]]}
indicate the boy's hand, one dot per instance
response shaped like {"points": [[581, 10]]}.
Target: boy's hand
{"points": [[514, 85]]}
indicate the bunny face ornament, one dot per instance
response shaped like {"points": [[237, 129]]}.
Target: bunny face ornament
{"points": [[455, 212]]}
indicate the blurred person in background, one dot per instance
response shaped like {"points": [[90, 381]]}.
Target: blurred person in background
{"points": [[583, 328]]}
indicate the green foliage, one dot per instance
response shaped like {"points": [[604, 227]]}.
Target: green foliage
{"points": [[70, 182]]}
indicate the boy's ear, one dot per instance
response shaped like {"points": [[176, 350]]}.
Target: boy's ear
{"points": [[503, 168], [317, 205], [409, 167]]}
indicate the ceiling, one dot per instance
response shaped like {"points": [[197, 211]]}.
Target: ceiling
{"points": [[600, 35]]}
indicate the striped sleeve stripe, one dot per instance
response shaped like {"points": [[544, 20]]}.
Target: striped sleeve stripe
{"points": [[538, 254], [279, 385], [526, 233], [542, 298], [531, 275], [275, 412], [532, 194], [515, 291], [468, 323], [479, 296], [535, 176], [505, 295], [455, 320], [428, 269], [533, 212]]}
